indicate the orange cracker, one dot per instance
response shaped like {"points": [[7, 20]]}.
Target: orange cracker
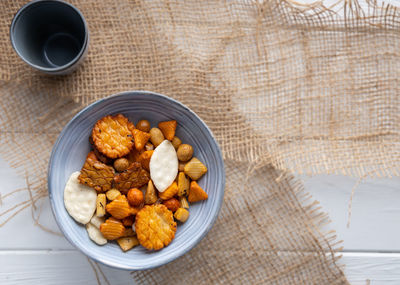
{"points": [[155, 226], [134, 177], [140, 138], [168, 129], [96, 174], [196, 193], [112, 136]]}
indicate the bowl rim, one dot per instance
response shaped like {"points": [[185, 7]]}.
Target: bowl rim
{"points": [[167, 260]]}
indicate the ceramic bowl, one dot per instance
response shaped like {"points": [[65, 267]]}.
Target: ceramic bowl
{"points": [[72, 146]]}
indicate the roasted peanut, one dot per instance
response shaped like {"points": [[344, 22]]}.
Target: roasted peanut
{"points": [[172, 204], [143, 125], [176, 142], [184, 152], [156, 136], [121, 164], [135, 197]]}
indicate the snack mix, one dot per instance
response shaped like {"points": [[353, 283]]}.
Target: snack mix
{"points": [[135, 184]]}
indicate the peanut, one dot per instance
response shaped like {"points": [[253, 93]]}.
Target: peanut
{"points": [[143, 125], [156, 136], [135, 197], [121, 164], [176, 142], [184, 152], [172, 204]]}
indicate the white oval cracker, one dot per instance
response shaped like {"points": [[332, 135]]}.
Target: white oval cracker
{"points": [[79, 200], [97, 221], [95, 234], [163, 165]]}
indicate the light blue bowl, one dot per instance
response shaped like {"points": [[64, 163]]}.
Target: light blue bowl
{"points": [[72, 146]]}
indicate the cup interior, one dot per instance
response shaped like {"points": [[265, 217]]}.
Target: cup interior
{"points": [[49, 35]]}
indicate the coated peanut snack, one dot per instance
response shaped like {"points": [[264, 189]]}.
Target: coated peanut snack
{"points": [[136, 184]]}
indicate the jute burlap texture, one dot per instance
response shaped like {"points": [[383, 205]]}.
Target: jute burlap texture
{"points": [[284, 87]]}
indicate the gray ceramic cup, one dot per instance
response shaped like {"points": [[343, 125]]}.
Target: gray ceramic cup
{"points": [[50, 35]]}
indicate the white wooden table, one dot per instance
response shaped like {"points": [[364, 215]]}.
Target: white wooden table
{"points": [[29, 255]]}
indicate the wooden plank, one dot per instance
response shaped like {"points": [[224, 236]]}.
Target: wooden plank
{"points": [[375, 210], [20, 232], [55, 267], [378, 268], [71, 267]]}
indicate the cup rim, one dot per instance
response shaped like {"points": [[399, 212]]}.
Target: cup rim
{"points": [[42, 68]]}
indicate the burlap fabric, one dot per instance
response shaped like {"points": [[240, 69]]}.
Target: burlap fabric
{"points": [[284, 87]]}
